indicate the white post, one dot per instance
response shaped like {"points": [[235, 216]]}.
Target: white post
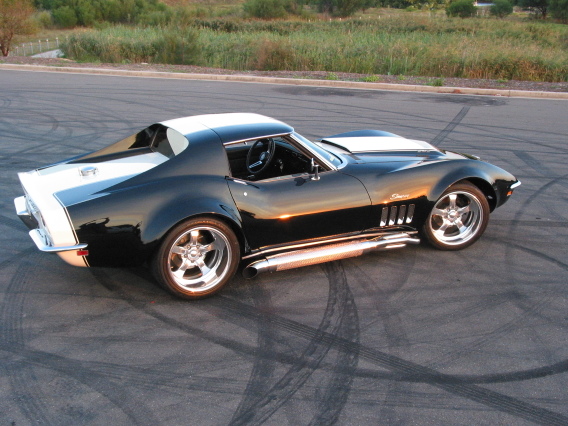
{"points": [[32, 47], [39, 42], [57, 41]]}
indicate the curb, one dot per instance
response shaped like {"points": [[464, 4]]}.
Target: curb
{"points": [[291, 81]]}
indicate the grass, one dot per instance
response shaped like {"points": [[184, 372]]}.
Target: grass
{"points": [[410, 44]]}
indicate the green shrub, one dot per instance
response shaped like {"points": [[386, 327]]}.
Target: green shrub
{"points": [[461, 8], [123, 44], [559, 10], [501, 8], [43, 19], [64, 17], [266, 9]]}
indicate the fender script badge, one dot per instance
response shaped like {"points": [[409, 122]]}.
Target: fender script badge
{"points": [[399, 196]]}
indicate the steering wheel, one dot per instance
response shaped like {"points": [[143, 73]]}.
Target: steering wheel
{"points": [[260, 155]]}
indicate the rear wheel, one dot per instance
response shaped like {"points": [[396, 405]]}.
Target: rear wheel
{"points": [[197, 258], [458, 218]]}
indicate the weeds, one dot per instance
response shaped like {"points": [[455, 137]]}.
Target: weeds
{"points": [[401, 44]]}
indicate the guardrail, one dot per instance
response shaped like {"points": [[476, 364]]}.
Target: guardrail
{"points": [[35, 47]]}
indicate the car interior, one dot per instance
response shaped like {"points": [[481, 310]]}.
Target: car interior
{"points": [[266, 158]]}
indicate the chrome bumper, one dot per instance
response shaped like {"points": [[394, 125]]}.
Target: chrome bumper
{"points": [[37, 234]]}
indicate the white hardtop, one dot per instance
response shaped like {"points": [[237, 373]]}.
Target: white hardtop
{"points": [[380, 144], [196, 123]]}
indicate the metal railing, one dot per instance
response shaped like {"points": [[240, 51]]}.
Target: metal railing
{"points": [[35, 47]]}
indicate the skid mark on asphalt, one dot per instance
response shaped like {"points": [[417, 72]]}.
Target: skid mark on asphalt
{"points": [[391, 321], [399, 368], [29, 396], [438, 140], [339, 318], [263, 367]]}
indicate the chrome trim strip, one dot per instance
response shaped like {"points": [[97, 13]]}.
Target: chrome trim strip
{"points": [[410, 214], [392, 219], [314, 153], [39, 239], [254, 139], [323, 242], [401, 214], [384, 216], [515, 185]]}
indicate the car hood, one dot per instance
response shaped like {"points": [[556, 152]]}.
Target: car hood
{"points": [[379, 144], [390, 149]]}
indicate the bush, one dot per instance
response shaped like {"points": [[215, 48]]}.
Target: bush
{"points": [[122, 44], [559, 10], [501, 8], [461, 8], [266, 9], [43, 19], [64, 17]]}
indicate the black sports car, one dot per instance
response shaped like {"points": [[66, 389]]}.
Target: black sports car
{"points": [[195, 197]]}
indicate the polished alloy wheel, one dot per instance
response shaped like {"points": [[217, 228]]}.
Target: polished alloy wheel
{"points": [[458, 218], [197, 258]]}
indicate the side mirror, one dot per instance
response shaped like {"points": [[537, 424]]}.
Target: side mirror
{"points": [[315, 170]]}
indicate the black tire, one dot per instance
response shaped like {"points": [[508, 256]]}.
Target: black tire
{"points": [[458, 218], [197, 258]]}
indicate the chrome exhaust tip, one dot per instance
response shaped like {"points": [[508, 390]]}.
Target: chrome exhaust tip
{"points": [[326, 253]]}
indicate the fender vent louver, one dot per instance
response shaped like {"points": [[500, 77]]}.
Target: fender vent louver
{"points": [[397, 215]]}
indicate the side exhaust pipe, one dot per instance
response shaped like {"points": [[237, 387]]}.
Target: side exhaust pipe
{"points": [[326, 253]]}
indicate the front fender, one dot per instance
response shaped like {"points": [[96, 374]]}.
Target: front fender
{"points": [[491, 180]]}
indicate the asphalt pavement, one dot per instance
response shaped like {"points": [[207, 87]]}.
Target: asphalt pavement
{"points": [[414, 336]]}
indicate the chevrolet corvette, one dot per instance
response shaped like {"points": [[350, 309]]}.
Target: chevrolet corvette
{"points": [[197, 198]]}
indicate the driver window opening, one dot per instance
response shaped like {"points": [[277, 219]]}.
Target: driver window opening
{"points": [[266, 158]]}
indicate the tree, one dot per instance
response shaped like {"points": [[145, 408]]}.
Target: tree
{"points": [[461, 8], [559, 10], [539, 6], [501, 8], [14, 19]]}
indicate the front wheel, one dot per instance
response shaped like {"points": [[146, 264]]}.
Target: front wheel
{"points": [[458, 218], [197, 258]]}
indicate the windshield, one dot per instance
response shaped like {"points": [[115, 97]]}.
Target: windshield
{"points": [[332, 158]]}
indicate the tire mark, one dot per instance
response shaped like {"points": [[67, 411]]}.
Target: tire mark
{"points": [[407, 370], [22, 379], [399, 368], [337, 391], [513, 324], [263, 367], [17, 256], [437, 141], [395, 333], [340, 311], [533, 163]]}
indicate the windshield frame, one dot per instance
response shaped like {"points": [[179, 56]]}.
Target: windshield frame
{"points": [[317, 151]]}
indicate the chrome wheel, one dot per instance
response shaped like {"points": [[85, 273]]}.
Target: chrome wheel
{"points": [[458, 218], [198, 258]]}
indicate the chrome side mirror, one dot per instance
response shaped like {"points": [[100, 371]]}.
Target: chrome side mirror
{"points": [[315, 170]]}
